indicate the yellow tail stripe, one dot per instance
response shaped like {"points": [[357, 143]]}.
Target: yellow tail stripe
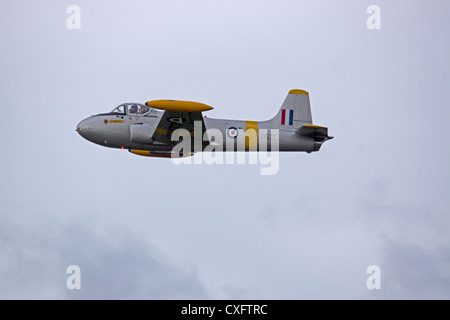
{"points": [[251, 135]]}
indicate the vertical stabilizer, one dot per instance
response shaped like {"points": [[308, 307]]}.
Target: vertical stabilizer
{"points": [[294, 113]]}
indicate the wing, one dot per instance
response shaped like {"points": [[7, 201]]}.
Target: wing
{"points": [[180, 115], [173, 120]]}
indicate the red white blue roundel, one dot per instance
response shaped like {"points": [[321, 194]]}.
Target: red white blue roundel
{"points": [[232, 132]]}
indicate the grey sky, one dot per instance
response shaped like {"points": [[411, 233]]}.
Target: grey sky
{"points": [[145, 228]]}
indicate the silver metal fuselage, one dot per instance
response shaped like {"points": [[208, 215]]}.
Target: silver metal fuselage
{"points": [[115, 131]]}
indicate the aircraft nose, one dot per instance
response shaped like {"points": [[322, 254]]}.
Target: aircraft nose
{"points": [[84, 128]]}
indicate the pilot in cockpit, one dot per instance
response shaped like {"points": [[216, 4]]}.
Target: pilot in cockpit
{"points": [[143, 109], [133, 109]]}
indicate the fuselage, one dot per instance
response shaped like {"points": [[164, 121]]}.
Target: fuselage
{"points": [[127, 130]]}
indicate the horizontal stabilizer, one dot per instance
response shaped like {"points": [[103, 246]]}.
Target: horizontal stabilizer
{"points": [[319, 134], [310, 130]]}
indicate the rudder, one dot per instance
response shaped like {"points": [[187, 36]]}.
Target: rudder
{"points": [[294, 113]]}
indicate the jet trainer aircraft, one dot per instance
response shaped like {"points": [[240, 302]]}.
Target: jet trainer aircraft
{"points": [[146, 131]]}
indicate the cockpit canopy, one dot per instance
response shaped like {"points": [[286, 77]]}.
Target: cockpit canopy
{"points": [[131, 109]]}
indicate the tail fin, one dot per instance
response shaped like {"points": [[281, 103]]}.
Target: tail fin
{"points": [[294, 113]]}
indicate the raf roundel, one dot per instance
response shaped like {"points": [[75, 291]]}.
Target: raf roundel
{"points": [[232, 132]]}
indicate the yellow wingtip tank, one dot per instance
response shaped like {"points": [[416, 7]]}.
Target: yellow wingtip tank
{"points": [[176, 105]]}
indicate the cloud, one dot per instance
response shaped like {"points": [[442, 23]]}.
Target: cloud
{"points": [[115, 264], [412, 272], [377, 194], [415, 254]]}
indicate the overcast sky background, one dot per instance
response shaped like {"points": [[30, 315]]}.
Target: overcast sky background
{"points": [[144, 228]]}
